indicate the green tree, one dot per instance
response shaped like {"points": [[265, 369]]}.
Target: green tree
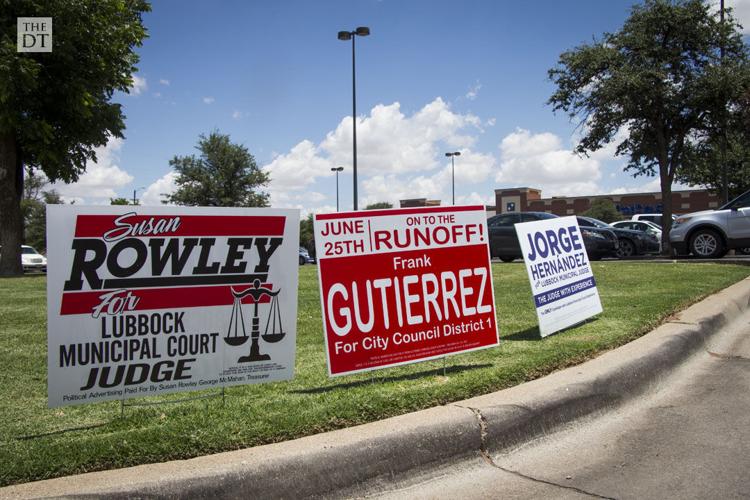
{"points": [[379, 205], [306, 233], [35, 233], [36, 197], [225, 175], [661, 80], [32, 197], [728, 145], [604, 210], [707, 159], [55, 107], [122, 201]]}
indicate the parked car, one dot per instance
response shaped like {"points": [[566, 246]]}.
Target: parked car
{"points": [[630, 242], [655, 218], [504, 240], [31, 260], [643, 226], [712, 233], [304, 257]]}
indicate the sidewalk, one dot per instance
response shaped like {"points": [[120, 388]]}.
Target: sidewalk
{"points": [[333, 463]]}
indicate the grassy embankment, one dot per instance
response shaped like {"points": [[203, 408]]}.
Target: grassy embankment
{"points": [[37, 442]]}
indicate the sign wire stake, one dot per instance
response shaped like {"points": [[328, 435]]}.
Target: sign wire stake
{"points": [[223, 397], [122, 408], [444, 357]]}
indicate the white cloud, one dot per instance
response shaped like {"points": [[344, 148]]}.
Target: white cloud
{"points": [[208, 100], [313, 196], [164, 81], [470, 168], [297, 169], [139, 85], [399, 156], [473, 91], [393, 188], [475, 198], [539, 160], [101, 180], [236, 114], [154, 194], [390, 142], [157, 94], [652, 186]]}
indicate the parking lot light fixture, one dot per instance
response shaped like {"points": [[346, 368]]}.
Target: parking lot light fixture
{"points": [[337, 170], [453, 175], [344, 36]]}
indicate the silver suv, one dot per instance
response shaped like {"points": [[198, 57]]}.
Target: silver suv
{"points": [[711, 233]]}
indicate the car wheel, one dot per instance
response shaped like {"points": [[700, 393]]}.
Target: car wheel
{"points": [[507, 259], [743, 251], [706, 244], [301, 261], [625, 249]]}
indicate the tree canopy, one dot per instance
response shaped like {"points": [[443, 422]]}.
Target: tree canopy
{"points": [[306, 233], [728, 145], [55, 107], [122, 201], [661, 80], [379, 205], [37, 194], [224, 175], [604, 210]]}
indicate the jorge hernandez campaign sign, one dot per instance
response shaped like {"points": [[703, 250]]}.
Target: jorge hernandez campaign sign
{"points": [[562, 283], [150, 300], [405, 285]]}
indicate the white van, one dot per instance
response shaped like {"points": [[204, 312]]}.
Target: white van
{"points": [[655, 218]]}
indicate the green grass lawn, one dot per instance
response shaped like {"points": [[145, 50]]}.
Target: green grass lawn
{"points": [[37, 442]]}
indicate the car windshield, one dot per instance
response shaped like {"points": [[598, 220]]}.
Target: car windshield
{"points": [[597, 223], [28, 251], [742, 201], [545, 215]]}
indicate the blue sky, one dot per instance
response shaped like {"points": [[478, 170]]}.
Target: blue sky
{"points": [[434, 76]]}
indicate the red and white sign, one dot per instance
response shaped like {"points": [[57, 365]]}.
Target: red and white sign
{"points": [[404, 285], [150, 300]]}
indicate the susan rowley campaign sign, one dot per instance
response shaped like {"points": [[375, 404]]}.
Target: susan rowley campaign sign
{"points": [[150, 300], [404, 285], [562, 283]]}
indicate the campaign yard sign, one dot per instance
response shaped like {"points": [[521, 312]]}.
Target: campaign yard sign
{"points": [[562, 282], [404, 285], [150, 300]]}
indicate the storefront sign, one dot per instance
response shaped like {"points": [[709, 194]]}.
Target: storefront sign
{"points": [[405, 285], [149, 300], [559, 271]]}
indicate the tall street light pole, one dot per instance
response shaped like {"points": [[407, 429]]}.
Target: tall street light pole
{"points": [[337, 170], [351, 35], [453, 175], [724, 178], [135, 200]]}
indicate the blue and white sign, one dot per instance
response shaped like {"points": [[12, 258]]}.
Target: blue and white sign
{"points": [[562, 282]]}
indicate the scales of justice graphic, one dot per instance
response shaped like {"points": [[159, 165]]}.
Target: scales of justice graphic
{"points": [[237, 335]]}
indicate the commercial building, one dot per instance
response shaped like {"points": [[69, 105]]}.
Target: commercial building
{"points": [[524, 199], [424, 202]]}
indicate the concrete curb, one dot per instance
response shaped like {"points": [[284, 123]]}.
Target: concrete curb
{"points": [[338, 461]]}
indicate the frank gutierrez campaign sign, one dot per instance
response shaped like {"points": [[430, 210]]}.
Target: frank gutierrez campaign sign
{"points": [[562, 283], [404, 285], [150, 300]]}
